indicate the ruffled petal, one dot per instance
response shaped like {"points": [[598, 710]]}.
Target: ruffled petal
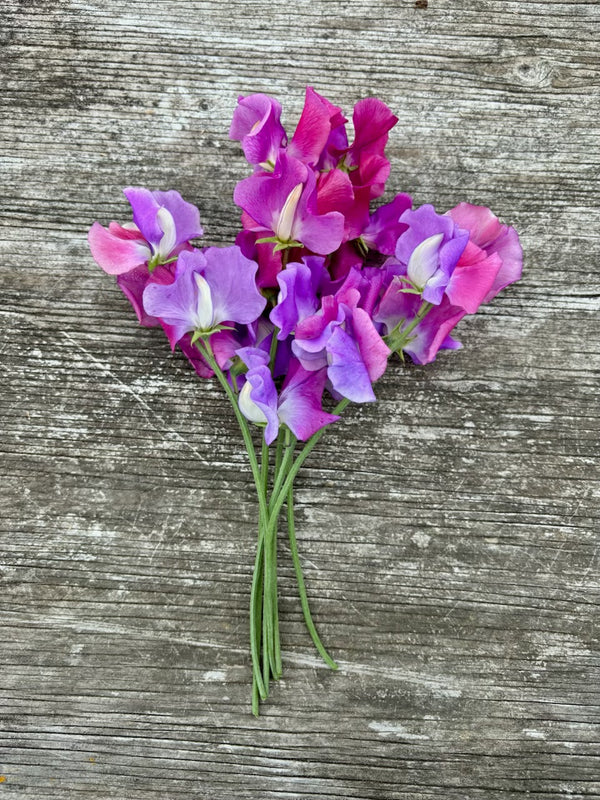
{"points": [[263, 396], [346, 371], [297, 294], [471, 284], [300, 402], [231, 277], [256, 124], [116, 255], [145, 208], [374, 352], [384, 227], [319, 117], [186, 216]]}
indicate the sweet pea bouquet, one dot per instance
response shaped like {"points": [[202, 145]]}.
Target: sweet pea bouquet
{"points": [[301, 315]]}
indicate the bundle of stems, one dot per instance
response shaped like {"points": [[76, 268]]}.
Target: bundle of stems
{"points": [[274, 488]]}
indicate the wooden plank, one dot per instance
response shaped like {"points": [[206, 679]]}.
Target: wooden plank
{"points": [[449, 533]]}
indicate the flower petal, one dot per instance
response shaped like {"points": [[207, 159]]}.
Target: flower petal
{"points": [[116, 255], [231, 277], [319, 117], [186, 216], [373, 350], [262, 397], [471, 284], [297, 294], [346, 371], [145, 208], [256, 124], [300, 402]]}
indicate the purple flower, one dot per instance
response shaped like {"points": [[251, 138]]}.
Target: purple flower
{"points": [[342, 337], [298, 285], [284, 205], [163, 224], [384, 227], [256, 124], [298, 406], [210, 288], [429, 250]]}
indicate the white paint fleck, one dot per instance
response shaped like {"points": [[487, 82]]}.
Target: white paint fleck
{"points": [[532, 733], [421, 539], [214, 675], [385, 729], [446, 692]]}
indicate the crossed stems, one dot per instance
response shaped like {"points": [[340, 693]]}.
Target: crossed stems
{"points": [[264, 615]]}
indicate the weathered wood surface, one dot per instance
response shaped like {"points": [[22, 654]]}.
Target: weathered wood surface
{"points": [[450, 533]]}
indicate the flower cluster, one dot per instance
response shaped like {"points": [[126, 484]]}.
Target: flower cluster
{"points": [[317, 292]]}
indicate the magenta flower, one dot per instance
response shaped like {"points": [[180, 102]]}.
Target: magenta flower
{"points": [[319, 128], [298, 406], [489, 241], [429, 250], [365, 161], [256, 124], [163, 225], [210, 288], [283, 207]]}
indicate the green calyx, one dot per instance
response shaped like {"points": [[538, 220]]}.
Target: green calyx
{"points": [[156, 261], [279, 245], [200, 334], [400, 336]]}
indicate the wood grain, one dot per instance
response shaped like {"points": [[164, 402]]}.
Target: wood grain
{"points": [[449, 534]]}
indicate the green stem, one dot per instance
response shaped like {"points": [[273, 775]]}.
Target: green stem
{"points": [[281, 473], [278, 500], [301, 587], [286, 475], [398, 339], [278, 453], [264, 521]]}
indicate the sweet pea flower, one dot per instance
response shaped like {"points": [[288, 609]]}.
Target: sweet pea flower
{"points": [[283, 206], [384, 228], [163, 225], [321, 127], [298, 406], [364, 160], [297, 299], [429, 250], [490, 242], [398, 311], [341, 336], [256, 124], [210, 288]]}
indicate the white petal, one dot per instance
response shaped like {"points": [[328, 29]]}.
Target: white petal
{"points": [[284, 227], [424, 260], [167, 225], [204, 310], [248, 407]]}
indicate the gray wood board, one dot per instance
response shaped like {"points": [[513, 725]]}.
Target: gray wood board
{"points": [[449, 533]]}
